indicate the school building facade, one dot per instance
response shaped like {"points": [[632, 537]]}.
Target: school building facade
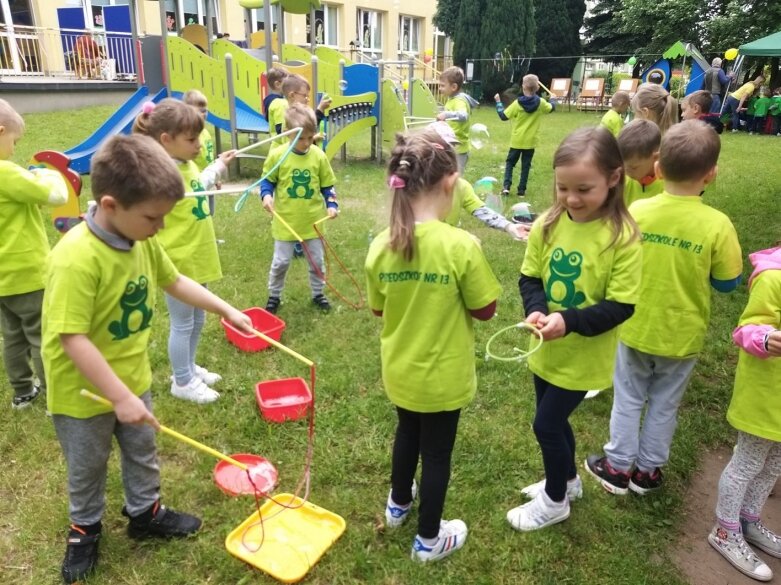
{"points": [[363, 30]]}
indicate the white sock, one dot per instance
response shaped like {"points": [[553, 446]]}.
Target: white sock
{"points": [[550, 503], [428, 541]]}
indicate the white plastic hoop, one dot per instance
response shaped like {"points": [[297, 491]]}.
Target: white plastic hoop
{"points": [[519, 354]]}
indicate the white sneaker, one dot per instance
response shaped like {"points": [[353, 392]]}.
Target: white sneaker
{"points": [[761, 537], [591, 394], [209, 378], [452, 536], [574, 489], [733, 547], [538, 513], [396, 515], [194, 391]]}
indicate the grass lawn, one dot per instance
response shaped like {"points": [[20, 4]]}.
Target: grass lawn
{"points": [[606, 540]]}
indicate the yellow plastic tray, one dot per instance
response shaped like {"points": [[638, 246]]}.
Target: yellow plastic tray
{"points": [[293, 539]]}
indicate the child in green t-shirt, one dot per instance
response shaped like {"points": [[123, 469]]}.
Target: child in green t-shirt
{"points": [[613, 119], [639, 145], [580, 280], [688, 248], [205, 157], [761, 109], [188, 238], [755, 411], [427, 280], [526, 113], [775, 111], [274, 104], [458, 109], [298, 192], [98, 309], [23, 250]]}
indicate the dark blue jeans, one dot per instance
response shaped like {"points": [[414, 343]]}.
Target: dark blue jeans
{"points": [[525, 154], [429, 436], [555, 436], [731, 107]]}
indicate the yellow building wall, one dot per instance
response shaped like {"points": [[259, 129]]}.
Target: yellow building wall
{"points": [[232, 21]]}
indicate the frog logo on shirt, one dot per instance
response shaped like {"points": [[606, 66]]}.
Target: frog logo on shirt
{"points": [[565, 270], [198, 211], [301, 180], [209, 151], [134, 300]]}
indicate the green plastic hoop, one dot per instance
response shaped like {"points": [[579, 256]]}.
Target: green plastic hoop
{"points": [[519, 354]]}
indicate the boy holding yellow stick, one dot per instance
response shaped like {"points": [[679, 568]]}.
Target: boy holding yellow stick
{"points": [[298, 193], [101, 288]]}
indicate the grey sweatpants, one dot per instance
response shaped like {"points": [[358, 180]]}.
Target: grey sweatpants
{"points": [[20, 323], [642, 378], [748, 479], [86, 444], [283, 255], [462, 159], [186, 326]]}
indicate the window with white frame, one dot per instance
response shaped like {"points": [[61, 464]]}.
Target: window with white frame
{"points": [[370, 32], [326, 21], [409, 35], [259, 20], [180, 13]]}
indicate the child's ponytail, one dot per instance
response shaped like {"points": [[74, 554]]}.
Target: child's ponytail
{"points": [[416, 165], [170, 117]]}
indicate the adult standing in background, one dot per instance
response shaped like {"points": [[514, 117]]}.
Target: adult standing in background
{"points": [[716, 82]]}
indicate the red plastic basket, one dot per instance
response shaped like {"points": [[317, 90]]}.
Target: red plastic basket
{"points": [[281, 400], [262, 321]]}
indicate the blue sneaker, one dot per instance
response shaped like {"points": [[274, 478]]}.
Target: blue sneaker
{"points": [[396, 515], [452, 536], [298, 250]]}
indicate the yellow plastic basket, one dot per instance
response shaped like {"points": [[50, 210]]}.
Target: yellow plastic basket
{"points": [[289, 541]]}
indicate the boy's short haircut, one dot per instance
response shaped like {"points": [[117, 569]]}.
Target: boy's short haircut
{"points": [[299, 116], [195, 98], [639, 139], [10, 118], [531, 83], [294, 83], [620, 98], [133, 169], [690, 149], [275, 75], [701, 98], [453, 75]]}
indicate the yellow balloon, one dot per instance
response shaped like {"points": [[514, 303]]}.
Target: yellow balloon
{"points": [[405, 85], [731, 54], [429, 51]]}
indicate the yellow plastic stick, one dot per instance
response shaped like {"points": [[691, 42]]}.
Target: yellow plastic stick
{"points": [[284, 348], [322, 219], [542, 85], [176, 435], [287, 225]]}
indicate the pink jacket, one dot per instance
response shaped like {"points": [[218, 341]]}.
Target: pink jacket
{"points": [[752, 337]]}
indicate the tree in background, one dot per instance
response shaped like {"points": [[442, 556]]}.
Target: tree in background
{"points": [[604, 31], [558, 24], [446, 16], [494, 33]]}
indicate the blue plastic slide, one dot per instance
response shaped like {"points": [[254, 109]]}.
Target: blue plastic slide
{"points": [[120, 121]]}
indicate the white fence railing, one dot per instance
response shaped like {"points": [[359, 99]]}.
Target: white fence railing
{"points": [[29, 51]]}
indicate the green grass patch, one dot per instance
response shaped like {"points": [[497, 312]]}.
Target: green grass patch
{"points": [[606, 539]]}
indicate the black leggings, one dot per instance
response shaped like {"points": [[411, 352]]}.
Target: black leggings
{"points": [[555, 436], [430, 436]]}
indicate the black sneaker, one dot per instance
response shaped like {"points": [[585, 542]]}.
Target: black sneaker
{"points": [[321, 303], [161, 522], [20, 402], [81, 554], [298, 250], [272, 305], [505, 192], [643, 483], [614, 481], [521, 193]]}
